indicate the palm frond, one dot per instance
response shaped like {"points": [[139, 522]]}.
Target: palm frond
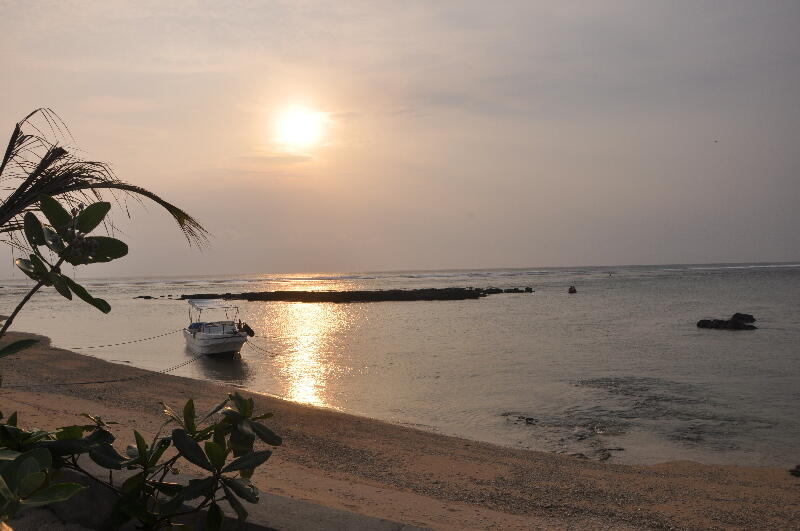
{"points": [[41, 166]]}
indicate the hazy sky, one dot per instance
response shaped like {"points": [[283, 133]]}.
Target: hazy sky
{"points": [[458, 134]]}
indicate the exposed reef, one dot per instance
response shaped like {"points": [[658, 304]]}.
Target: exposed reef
{"points": [[427, 294]]}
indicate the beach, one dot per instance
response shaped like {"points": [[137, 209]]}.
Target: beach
{"points": [[417, 477]]}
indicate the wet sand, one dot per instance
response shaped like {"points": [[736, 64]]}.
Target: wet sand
{"points": [[403, 474]]}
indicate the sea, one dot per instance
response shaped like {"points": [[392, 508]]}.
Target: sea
{"points": [[617, 372]]}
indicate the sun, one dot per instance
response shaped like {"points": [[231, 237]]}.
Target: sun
{"points": [[299, 127]]}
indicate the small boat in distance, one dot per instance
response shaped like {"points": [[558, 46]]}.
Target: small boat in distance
{"points": [[215, 338], [572, 290]]}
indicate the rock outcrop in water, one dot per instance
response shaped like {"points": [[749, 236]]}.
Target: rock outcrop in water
{"points": [[743, 317], [427, 294], [738, 321]]}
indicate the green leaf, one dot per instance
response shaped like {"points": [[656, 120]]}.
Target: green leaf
{"points": [[242, 488], [78, 290], [66, 446], [53, 240], [189, 416], [107, 249], [251, 460], [216, 409], [55, 213], [214, 518], [235, 504], [216, 454], [42, 457], [27, 466], [52, 494], [101, 305], [26, 266], [69, 432], [61, 286], [133, 483], [33, 230], [141, 447], [266, 434], [92, 216], [94, 249], [232, 415], [100, 436], [240, 444], [31, 482], [158, 450], [38, 266], [189, 449], [244, 427], [195, 489], [106, 456], [8, 455], [17, 346], [244, 405]]}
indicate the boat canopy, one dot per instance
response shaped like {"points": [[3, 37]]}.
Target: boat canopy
{"points": [[211, 304]]}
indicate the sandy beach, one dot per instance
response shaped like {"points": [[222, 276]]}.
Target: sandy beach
{"points": [[403, 474]]}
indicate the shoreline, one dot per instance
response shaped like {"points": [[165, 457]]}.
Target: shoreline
{"points": [[405, 474]]}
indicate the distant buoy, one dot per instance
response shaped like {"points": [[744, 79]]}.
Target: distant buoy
{"points": [[572, 290]]}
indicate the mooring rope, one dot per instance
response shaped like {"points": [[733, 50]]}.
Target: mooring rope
{"points": [[148, 374], [256, 347], [128, 342]]}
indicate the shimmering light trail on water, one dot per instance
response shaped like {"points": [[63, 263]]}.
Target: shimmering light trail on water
{"points": [[618, 365]]}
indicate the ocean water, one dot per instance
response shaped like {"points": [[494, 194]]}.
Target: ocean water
{"points": [[616, 372]]}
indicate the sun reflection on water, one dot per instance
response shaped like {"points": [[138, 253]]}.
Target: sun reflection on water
{"points": [[307, 331]]}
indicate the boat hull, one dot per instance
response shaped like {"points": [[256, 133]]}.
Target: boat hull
{"points": [[212, 344]]}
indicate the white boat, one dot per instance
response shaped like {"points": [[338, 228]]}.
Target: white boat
{"points": [[215, 338]]}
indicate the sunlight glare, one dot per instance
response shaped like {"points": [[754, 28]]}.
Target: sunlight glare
{"points": [[299, 126]]}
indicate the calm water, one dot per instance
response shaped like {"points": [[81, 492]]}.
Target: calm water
{"points": [[617, 371]]}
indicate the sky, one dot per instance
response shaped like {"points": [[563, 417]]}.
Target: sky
{"points": [[455, 134]]}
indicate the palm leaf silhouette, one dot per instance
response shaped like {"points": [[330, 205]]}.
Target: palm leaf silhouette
{"points": [[34, 165]]}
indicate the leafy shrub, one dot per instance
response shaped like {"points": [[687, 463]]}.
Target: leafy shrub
{"points": [[29, 460]]}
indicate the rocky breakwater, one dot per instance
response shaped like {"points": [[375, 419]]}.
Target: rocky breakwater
{"points": [[738, 321], [426, 294]]}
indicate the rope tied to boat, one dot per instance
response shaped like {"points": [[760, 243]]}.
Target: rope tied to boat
{"points": [[148, 374], [256, 347], [128, 342]]}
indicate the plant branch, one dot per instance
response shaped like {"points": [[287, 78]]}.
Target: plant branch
{"points": [[24, 300]]}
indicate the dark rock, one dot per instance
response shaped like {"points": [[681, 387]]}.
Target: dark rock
{"points": [[529, 290], [144, 297], [795, 471], [530, 420], [743, 318], [513, 290], [723, 324], [492, 291], [572, 289]]}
